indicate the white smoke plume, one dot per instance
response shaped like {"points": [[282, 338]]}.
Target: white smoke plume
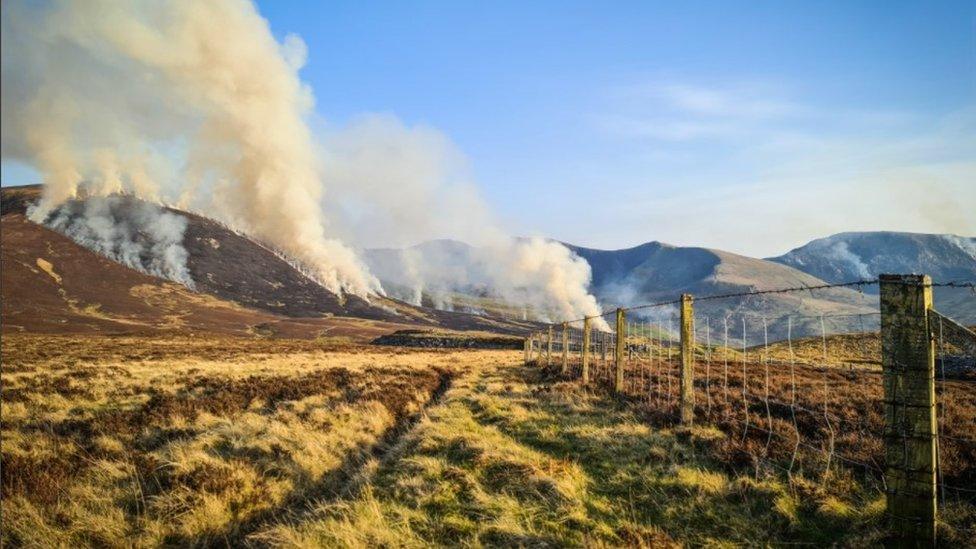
{"points": [[966, 244], [182, 101], [400, 185], [135, 233], [194, 103], [841, 253]]}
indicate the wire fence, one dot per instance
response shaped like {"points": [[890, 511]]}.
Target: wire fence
{"points": [[799, 394]]}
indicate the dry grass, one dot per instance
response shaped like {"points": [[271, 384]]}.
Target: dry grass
{"points": [[822, 422], [205, 442], [512, 459], [129, 441], [845, 396]]}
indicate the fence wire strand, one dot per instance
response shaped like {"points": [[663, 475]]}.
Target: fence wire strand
{"points": [[817, 379]]}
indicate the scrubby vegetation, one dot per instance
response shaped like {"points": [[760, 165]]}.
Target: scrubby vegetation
{"points": [[510, 459], [449, 339], [111, 442], [120, 442]]}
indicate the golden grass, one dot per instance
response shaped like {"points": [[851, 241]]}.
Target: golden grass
{"points": [[128, 441], [221, 441], [508, 459]]}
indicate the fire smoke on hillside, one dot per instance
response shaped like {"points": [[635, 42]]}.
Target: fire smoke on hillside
{"points": [[154, 100]]}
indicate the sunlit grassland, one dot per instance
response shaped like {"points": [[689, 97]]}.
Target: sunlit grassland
{"points": [[147, 442], [507, 460], [242, 442]]}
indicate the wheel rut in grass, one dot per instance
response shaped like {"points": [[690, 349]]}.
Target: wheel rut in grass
{"points": [[383, 451], [347, 480]]}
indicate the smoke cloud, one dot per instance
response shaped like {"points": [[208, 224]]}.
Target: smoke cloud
{"points": [[135, 233], [183, 101], [195, 104], [841, 253], [400, 185]]}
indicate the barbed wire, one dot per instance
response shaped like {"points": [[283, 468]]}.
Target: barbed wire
{"points": [[805, 426], [804, 288]]}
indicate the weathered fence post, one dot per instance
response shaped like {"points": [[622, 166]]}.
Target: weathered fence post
{"points": [[527, 348], [910, 431], [586, 351], [565, 347], [618, 355], [549, 347], [687, 360], [603, 349]]}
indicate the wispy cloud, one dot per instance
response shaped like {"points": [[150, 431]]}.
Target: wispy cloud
{"points": [[744, 100], [771, 169], [675, 111]]}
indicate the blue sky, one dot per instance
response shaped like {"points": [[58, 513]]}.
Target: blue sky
{"points": [[748, 126]]}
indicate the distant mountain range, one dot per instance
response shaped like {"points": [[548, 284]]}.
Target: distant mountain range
{"points": [[656, 272], [852, 256], [52, 284]]}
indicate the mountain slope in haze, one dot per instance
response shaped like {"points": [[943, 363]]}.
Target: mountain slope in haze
{"points": [[441, 274], [643, 274], [656, 272], [865, 255], [858, 255], [52, 284], [434, 265]]}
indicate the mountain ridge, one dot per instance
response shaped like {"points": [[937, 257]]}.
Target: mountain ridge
{"points": [[834, 258], [657, 271], [427, 282], [51, 283]]}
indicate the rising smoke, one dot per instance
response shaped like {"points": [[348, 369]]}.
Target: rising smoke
{"points": [[400, 185], [182, 101], [135, 233], [196, 104]]}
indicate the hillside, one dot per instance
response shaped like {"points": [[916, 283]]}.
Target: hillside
{"points": [[849, 256], [861, 255], [442, 274], [52, 284], [242, 286], [657, 272], [648, 273]]}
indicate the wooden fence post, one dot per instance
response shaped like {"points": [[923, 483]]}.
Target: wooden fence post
{"points": [[910, 431], [603, 349], [687, 360], [565, 347], [618, 355], [538, 350], [549, 347], [526, 347], [586, 351]]}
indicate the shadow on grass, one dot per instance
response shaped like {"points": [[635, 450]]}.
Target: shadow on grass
{"points": [[510, 458], [650, 477]]}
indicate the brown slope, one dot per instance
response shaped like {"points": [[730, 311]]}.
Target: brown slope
{"points": [[232, 266], [50, 284]]}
